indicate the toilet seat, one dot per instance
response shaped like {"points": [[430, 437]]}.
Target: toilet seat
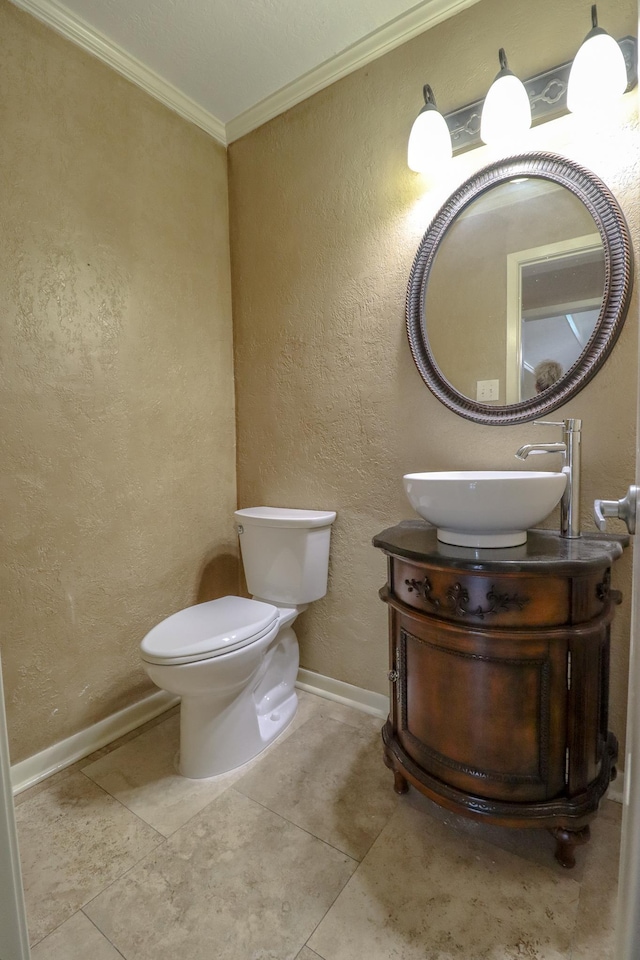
{"points": [[208, 630]]}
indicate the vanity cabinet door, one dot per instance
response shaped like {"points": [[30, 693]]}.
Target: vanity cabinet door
{"points": [[588, 737], [483, 711]]}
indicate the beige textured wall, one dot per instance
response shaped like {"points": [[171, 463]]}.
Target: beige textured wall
{"points": [[326, 219], [117, 452]]}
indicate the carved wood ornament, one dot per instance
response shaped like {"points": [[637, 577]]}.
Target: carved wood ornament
{"points": [[457, 598]]}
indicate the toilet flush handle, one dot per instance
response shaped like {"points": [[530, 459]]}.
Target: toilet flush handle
{"points": [[240, 529]]}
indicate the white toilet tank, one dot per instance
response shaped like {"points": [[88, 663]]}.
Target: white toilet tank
{"points": [[285, 552]]}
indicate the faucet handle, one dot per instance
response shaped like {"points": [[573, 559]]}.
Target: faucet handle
{"points": [[550, 423], [570, 426]]}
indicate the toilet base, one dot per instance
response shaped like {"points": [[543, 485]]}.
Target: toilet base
{"points": [[276, 721], [198, 761], [216, 737]]}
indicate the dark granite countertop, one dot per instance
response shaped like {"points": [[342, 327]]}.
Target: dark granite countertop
{"points": [[416, 540]]}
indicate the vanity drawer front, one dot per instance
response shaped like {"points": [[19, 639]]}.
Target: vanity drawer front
{"points": [[483, 599]]}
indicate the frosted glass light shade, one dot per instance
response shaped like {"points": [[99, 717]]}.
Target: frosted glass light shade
{"points": [[506, 114], [598, 74], [429, 142]]}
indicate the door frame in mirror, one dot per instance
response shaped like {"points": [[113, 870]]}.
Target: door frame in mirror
{"points": [[561, 249], [613, 230]]}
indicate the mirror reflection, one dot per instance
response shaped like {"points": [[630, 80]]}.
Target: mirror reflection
{"points": [[556, 302], [515, 291]]}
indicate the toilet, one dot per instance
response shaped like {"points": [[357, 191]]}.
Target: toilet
{"points": [[234, 661]]}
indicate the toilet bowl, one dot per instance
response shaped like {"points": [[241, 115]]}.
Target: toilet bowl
{"points": [[234, 661]]}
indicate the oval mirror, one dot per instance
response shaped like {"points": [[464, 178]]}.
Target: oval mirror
{"points": [[519, 289]]}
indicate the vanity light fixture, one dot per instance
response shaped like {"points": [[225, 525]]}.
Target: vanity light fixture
{"points": [[506, 113], [599, 73], [429, 140], [550, 94]]}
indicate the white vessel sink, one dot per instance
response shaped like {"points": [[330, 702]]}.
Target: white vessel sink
{"points": [[484, 508]]}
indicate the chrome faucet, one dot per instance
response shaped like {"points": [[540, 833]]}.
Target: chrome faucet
{"points": [[569, 447]]}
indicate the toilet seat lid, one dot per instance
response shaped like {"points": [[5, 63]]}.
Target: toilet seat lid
{"points": [[208, 630]]}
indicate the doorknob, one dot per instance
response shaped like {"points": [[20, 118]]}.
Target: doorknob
{"points": [[624, 509]]}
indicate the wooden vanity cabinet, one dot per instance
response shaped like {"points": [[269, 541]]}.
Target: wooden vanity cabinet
{"points": [[499, 676]]}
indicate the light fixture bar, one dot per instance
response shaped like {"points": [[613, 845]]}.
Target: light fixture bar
{"points": [[547, 94]]}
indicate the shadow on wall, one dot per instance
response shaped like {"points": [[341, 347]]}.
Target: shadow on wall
{"points": [[219, 577]]}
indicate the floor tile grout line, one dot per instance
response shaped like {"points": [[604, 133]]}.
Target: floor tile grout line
{"points": [[102, 934], [160, 841], [349, 880], [37, 943], [330, 907], [380, 831], [125, 807], [164, 840], [75, 766], [230, 786], [292, 823], [163, 837], [55, 929], [111, 884], [169, 836], [124, 739], [267, 752], [103, 890], [311, 950], [60, 775], [133, 867], [361, 865]]}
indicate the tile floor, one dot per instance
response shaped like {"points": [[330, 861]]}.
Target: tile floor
{"points": [[304, 853]]}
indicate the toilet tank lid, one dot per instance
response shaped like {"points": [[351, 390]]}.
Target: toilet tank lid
{"points": [[285, 517]]}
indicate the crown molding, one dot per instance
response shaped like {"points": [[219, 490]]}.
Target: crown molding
{"points": [[71, 27], [419, 19]]}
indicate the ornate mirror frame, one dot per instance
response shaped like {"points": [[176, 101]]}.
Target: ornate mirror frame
{"points": [[611, 224]]}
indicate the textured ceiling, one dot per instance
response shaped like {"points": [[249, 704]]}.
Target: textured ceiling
{"points": [[225, 57]]}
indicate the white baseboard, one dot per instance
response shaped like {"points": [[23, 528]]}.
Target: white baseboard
{"points": [[366, 700], [28, 772]]}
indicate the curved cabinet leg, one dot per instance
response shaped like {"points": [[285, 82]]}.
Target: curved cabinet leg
{"points": [[566, 842], [400, 785]]}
